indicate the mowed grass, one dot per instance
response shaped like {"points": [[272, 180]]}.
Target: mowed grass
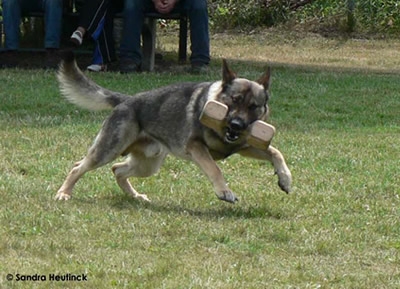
{"points": [[340, 228]]}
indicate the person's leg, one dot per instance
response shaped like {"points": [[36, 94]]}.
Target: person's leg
{"points": [[130, 49], [97, 60], [92, 13], [11, 23], [104, 49], [53, 20], [91, 19], [106, 39], [199, 31]]}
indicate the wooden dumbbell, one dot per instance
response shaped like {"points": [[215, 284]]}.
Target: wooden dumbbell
{"points": [[214, 112], [261, 134]]}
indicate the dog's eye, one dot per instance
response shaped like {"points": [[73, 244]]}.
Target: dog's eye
{"points": [[237, 98]]}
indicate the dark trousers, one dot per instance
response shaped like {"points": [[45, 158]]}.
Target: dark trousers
{"points": [[133, 21]]}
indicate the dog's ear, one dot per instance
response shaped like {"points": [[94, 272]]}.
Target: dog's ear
{"points": [[265, 79], [227, 74]]}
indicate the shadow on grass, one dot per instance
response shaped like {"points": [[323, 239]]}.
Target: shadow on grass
{"points": [[167, 63], [219, 210]]}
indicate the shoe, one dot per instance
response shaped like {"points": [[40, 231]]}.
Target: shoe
{"points": [[127, 65], [97, 67], [198, 68], [76, 38]]}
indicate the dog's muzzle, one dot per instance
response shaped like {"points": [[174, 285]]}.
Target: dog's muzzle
{"points": [[234, 130]]}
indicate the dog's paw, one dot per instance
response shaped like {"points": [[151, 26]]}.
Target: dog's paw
{"points": [[285, 181], [227, 196], [61, 196], [142, 197]]}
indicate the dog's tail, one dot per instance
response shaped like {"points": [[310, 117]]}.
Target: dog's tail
{"points": [[77, 88]]}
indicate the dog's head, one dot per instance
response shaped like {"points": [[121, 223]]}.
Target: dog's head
{"points": [[247, 102]]}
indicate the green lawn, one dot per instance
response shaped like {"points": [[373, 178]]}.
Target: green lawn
{"points": [[340, 228]]}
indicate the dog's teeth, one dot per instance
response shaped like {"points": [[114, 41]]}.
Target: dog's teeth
{"points": [[231, 137]]}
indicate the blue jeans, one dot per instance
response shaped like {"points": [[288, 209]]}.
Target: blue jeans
{"points": [[12, 10], [133, 22]]}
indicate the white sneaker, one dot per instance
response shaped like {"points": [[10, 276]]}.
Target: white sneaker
{"points": [[97, 67], [77, 38]]}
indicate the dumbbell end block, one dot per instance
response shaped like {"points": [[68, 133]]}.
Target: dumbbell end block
{"points": [[261, 134], [213, 114]]}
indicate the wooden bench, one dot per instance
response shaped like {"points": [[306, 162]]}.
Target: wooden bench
{"points": [[148, 33]]}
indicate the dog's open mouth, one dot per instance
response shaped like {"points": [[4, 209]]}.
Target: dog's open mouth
{"points": [[231, 135]]}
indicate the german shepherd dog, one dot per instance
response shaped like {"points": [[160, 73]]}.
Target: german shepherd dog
{"points": [[147, 126]]}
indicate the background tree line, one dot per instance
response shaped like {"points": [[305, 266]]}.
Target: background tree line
{"points": [[359, 16]]}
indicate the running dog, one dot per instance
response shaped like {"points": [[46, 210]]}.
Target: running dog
{"points": [[149, 125]]}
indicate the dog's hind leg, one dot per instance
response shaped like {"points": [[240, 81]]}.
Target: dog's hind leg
{"points": [[118, 132], [90, 162], [122, 172], [137, 165], [79, 169], [278, 161], [145, 159]]}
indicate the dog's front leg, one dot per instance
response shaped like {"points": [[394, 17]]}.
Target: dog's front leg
{"points": [[278, 161], [202, 157]]}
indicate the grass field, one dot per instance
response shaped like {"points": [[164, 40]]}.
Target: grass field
{"points": [[337, 124]]}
